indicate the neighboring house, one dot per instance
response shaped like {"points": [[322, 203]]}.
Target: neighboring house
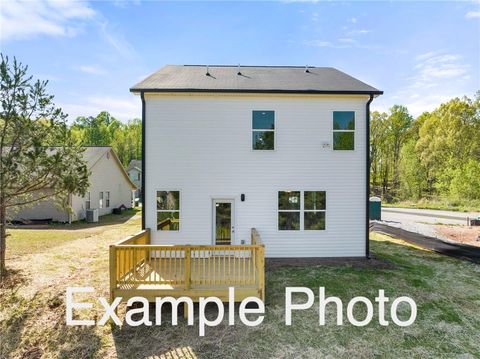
{"points": [[280, 149], [110, 187], [134, 171]]}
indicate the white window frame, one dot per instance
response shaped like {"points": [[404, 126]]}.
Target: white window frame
{"points": [[334, 130], [107, 199], [265, 130], [302, 221], [290, 210], [170, 210], [302, 211], [100, 200]]}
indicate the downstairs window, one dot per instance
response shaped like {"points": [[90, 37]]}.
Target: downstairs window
{"points": [[301, 210], [168, 210]]}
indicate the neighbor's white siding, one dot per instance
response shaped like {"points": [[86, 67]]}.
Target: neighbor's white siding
{"points": [[136, 177], [105, 176], [44, 209], [202, 146]]}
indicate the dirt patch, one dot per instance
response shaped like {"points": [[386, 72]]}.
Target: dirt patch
{"points": [[272, 264], [460, 234]]}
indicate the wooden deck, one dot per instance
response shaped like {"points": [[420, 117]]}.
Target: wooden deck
{"points": [[139, 268]]}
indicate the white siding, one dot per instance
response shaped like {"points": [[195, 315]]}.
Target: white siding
{"points": [[45, 209], [202, 146], [106, 176], [136, 177]]}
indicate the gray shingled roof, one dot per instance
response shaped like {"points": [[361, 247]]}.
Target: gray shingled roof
{"points": [[135, 164], [270, 79]]}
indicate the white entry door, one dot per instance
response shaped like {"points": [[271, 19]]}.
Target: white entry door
{"points": [[223, 221]]}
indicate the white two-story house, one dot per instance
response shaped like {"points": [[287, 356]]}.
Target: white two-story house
{"points": [[280, 149]]}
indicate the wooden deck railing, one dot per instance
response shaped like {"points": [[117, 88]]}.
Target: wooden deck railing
{"points": [[137, 265]]}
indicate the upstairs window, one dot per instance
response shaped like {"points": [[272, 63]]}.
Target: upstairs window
{"points": [[263, 130], [343, 130], [168, 210]]}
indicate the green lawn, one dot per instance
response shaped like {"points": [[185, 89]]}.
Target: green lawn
{"points": [[446, 290], [24, 241]]}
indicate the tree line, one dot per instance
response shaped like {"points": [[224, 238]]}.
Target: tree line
{"points": [[105, 130], [435, 157]]}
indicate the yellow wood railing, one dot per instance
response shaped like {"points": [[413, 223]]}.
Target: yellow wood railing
{"points": [[135, 262], [121, 264], [167, 223]]}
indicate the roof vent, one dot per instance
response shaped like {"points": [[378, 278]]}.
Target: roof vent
{"points": [[238, 68], [208, 72], [306, 69]]}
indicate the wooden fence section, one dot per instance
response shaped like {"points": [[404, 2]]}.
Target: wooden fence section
{"points": [[138, 266], [122, 263]]}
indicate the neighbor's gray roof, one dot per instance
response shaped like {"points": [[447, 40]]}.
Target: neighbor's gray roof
{"points": [[135, 164], [268, 79]]}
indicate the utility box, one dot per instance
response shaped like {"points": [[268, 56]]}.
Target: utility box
{"points": [[475, 221], [92, 215], [375, 208]]}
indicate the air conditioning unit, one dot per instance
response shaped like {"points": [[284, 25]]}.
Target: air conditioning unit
{"points": [[92, 215]]}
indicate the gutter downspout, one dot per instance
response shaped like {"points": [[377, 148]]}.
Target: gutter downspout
{"points": [[142, 96], [367, 220]]}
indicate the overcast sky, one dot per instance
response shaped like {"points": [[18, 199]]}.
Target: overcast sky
{"points": [[419, 53]]}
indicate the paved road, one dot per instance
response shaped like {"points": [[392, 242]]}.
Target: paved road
{"points": [[461, 251], [401, 215]]}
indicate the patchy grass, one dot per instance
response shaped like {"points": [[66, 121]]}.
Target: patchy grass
{"points": [[446, 290], [446, 205], [27, 240]]}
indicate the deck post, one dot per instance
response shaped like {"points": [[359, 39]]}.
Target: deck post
{"points": [[185, 310], [261, 271], [187, 267], [147, 251], [113, 273]]}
